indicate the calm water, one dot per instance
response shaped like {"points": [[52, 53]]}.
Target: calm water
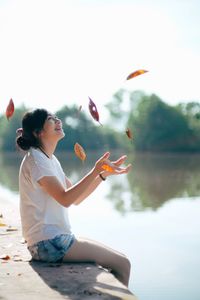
{"points": [[152, 215]]}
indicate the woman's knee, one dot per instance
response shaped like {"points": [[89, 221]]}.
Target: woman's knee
{"points": [[127, 264]]}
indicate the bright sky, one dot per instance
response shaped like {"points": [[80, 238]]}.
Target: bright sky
{"points": [[59, 52]]}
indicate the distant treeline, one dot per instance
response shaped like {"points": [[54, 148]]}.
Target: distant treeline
{"points": [[155, 125]]}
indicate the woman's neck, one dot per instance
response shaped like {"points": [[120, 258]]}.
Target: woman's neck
{"points": [[48, 150]]}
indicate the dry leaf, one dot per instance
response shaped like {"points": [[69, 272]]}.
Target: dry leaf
{"points": [[10, 109], [93, 110], [129, 133], [108, 166], [11, 229], [136, 73], [4, 257], [79, 151]]}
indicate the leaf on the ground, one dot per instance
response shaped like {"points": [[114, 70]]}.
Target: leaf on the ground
{"points": [[11, 229], [4, 257]]}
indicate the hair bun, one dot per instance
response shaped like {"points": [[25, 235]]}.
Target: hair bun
{"points": [[23, 143]]}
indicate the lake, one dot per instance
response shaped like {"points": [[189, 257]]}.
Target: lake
{"points": [[152, 215]]}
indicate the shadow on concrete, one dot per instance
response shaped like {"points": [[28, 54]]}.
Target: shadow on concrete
{"points": [[81, 281]]}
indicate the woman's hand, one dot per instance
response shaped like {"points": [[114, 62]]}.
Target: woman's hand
{"points": [[113, 167], [100, 162]]}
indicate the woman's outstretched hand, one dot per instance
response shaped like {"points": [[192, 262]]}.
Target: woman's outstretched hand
{"points": [[113, 167]]}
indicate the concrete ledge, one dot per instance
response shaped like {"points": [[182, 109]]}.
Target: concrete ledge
{"points": [[23, 279]]}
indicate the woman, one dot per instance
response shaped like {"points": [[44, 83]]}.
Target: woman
{"points": [[46, 193]]}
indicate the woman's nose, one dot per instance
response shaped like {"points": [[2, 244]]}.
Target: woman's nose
{"points": [[57, 120]]}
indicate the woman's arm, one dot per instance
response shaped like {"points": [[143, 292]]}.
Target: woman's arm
{"points": [[98, 180], [54, 188]]}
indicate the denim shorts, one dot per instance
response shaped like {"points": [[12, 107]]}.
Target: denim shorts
{"points": [[52, 250]]}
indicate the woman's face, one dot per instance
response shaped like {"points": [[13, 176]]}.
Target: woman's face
{"points": [[52, 128]]}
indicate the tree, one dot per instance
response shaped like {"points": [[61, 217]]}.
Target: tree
{"points": [[160, 127]]}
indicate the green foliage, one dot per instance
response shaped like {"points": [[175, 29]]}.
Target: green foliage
{"points": [[159, 127], [79, 128], [156, 126], [191, 111]]}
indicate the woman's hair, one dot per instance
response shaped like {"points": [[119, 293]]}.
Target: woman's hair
{"points": [[32, 124]]}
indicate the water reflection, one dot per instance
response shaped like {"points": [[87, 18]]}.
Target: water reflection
{"points": [[153, 180], [156, 179]]}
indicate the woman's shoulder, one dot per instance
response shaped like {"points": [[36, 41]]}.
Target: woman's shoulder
{"points": [[36, 157]]}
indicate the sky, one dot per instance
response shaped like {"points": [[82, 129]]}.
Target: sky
{"points": [[59, 52]]}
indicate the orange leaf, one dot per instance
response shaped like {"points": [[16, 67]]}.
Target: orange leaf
{"points": [[10, 109], [129, 133], [136, 73], [107, 168], [79, 151]]}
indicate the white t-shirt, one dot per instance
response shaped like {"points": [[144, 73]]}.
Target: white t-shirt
{"points": [[42, 216]]}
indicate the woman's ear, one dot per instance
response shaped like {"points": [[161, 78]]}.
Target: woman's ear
{"points": [[36, 133]]}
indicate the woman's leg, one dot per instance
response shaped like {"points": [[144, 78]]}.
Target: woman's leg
{"points": [[86, 250]]}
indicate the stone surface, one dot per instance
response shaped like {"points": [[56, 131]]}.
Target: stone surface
{"points": [[23, 279]]}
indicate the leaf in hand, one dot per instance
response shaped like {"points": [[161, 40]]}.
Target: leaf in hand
{"points": [[10, 109], [107, 168], [79, 151], [136, 73], [93, 110]]}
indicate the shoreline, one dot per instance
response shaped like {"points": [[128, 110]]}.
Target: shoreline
{"points": [[22, 278]]}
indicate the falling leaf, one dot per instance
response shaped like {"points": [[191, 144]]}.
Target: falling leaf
{"points": [[79, 151], [93, 110], [136, 73], [10, 109], [129, 133]]}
